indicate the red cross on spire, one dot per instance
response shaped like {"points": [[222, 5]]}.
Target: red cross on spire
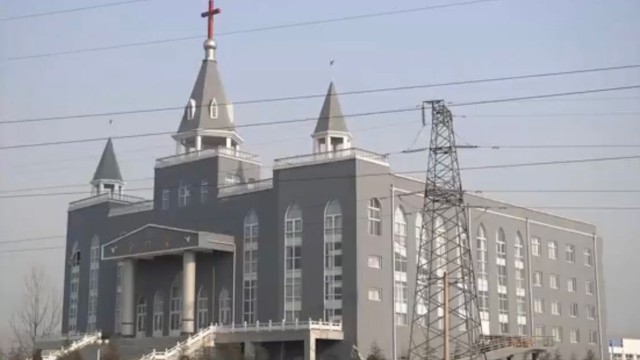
{"points": [[209, 15]]}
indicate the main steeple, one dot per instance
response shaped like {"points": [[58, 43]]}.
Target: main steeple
{"points": [[207, 121]]}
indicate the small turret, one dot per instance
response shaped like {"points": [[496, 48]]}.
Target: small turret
{"points": [[107, 178], [331, 131]]}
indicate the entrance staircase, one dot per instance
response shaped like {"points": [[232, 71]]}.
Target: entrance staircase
{"points": [[197, 341], [504, 347], [77, 344]]}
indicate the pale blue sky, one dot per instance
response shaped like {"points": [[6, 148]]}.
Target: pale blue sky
{"points": [[501, 38]]}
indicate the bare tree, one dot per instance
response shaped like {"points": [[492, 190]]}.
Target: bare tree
{"points": [[39, 314]]}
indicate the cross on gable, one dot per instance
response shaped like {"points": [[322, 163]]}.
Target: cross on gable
{"points": [[209, 14]]}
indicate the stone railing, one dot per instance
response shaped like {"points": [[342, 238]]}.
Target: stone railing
{"points": [[244, 188], [97, 199], [492, 343], [328, 156], [279, 326], [77, 344], [187, 347], [206, 153], [140, 206]]}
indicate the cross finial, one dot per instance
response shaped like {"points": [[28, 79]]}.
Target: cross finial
{"points": [[209, 14]]}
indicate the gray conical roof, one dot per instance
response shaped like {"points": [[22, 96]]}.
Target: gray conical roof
{"points": [[208, 86], [331, 118], [108, 168]]}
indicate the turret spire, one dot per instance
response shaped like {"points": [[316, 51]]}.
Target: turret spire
{"points": [[331, 131], [107, 177]]}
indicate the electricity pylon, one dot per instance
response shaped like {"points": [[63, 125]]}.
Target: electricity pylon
{"points": [[444, 262]]}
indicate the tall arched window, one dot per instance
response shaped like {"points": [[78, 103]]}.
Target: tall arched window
{"points": [[224, 307], [118, 307], [250, 268], [333, 261], [191, 109], [203, 308], [184, 194], [375, 218], [141, 317], [483, 276], [175, 306], [521, 302], [74, 287], [158, 314], [94, 268], [213, 109], [503, 297], [422, 261], [292, 263], [400, 267]]}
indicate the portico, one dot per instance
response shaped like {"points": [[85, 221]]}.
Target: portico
{"points": [[151, 243]]}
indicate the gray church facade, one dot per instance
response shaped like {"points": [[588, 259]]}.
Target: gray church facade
{"points": [[302, 262]]}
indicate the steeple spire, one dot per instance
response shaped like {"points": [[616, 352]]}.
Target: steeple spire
{"points": [[331, 131], [207, 121], [107, 177]]}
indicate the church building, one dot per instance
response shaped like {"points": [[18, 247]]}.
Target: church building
{"points": [[301, 263]]}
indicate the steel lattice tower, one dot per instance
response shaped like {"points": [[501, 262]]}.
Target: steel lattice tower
{"points": [[444, 251]]}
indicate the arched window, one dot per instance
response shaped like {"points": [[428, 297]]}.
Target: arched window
{"points": [[250, 268], [74, 287], [521, 301], [118, 307], [422, 261], [333, 261], [175, 306], [503, 298], [158, 314], [141, 317], [191, 109], [375, 218], [94, 268], [292, 263], [224, 307], [213, 109], [400, 274], [184, 194], [203, 308]]}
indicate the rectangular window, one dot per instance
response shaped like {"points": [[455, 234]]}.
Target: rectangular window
{"points": [[166, 193], [591, 312], [521, 306], [503, 302], [520, 279], [553, 249], [593, 337], [535, 246], [502, 275], [556, 332], [555, 308], [204, 191], [375, 220], [588, 257], [538, 306], [574, 336], [537, 278], [375, 261], [589, 287], [375, 294], [231, 179], [539, 330], [504, 328], [554, 279], [572, 284], [573, 310], [571, 253]]}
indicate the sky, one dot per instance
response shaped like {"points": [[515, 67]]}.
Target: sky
{"points": [[482, 40]]}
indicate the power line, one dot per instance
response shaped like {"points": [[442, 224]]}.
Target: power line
{"points": [[281, 122], [486, 167], [253, 30], [78, 9], [31, 249], [344, 93], [51, 237]]}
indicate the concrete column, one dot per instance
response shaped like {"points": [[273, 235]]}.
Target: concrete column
{"points": [[310, 347], [249, 350], [229, 143], [198, 143], [128, 298], [188, 291]]}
